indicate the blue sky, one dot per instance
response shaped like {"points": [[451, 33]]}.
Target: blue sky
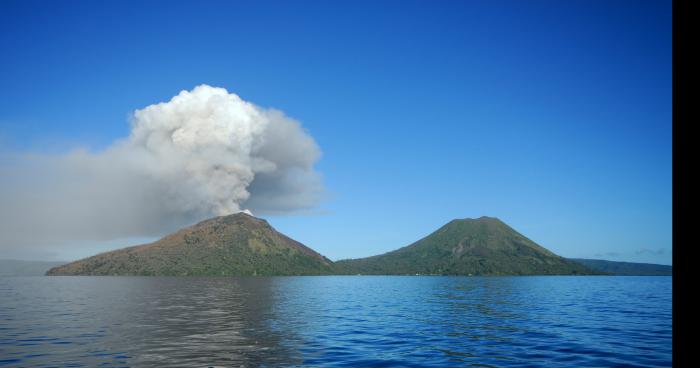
{"points": [[554, 116]]}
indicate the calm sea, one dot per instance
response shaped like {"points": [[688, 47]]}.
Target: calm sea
{"points": [[335, 321]]}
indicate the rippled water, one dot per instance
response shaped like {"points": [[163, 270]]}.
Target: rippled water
{"points": [[321, 321]]}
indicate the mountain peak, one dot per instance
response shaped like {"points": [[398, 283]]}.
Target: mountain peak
{"points": [[237, 215], [234, 218], [481, 246], [233, 245], [479, 219]]}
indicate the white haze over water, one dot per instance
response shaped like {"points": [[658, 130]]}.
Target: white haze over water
{"points": [[204, 153]]}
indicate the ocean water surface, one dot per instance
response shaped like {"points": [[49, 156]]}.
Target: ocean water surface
{"points": [[405, 321]]}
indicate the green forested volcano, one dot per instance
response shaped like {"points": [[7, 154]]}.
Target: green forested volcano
{"points": [[483, 246], [238, 244]]}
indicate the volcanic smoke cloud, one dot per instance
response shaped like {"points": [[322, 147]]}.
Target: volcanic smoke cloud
{"points": [[204, 153]]}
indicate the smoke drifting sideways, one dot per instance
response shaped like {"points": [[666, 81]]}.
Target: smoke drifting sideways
{"points": [[204, 153]]}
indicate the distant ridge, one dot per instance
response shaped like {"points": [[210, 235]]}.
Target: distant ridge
{"points": [[483, 246], [15, 267], [234, 245], [626, 268]]}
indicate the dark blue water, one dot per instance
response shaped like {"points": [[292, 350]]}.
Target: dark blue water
{"points": [[328, 321]]}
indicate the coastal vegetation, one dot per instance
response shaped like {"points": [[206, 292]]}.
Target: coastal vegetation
{"points": [[243, 245]]}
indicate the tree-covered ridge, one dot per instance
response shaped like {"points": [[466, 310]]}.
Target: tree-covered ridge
{"points": [[626, 268], [483, 246]]}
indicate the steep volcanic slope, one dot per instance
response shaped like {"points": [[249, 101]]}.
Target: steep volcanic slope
{"points": [[483, 246], [237, 244]]}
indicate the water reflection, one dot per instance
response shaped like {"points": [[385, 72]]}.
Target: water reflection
{"points": [[335, 321], [162, 322]]}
